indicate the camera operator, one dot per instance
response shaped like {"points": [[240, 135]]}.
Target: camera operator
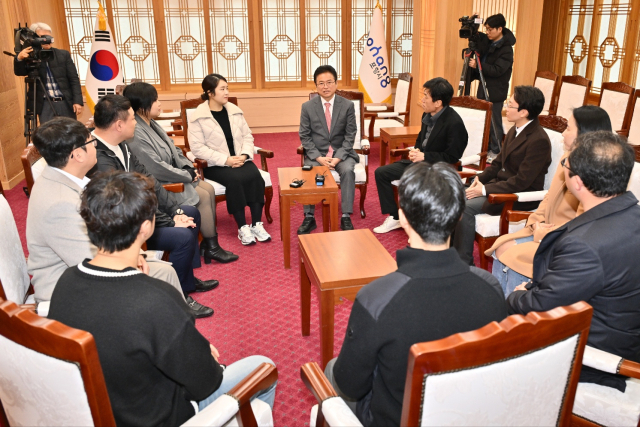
{"points": [[59, 76], [496, 55]]}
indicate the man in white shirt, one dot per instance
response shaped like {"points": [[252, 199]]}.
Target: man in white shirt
{"points": [[521, 165], [56, 234]]}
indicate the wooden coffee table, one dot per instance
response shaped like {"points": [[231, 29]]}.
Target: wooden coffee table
{"points": [[308, 194], [338, 265], [396, 138]]}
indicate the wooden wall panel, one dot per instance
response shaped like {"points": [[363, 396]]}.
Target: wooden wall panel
{"points": [[551, 32], [437, 49], [12, 141], [527, 42]]}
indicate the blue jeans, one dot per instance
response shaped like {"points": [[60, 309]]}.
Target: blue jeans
{"points": [[235, 373], [508, 278]]}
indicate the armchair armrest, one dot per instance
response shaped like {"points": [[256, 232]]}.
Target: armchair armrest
{"points": [[174, 188], [515, 216], [378, 107], [508, 200], [531, 196], [263, 152], [623, 132], [175, 132], [237, 400], [317, 383], [611, 363], [389, 115], [403, 153], [465, 174], [331, 406], [264, 155], [496, 199]]}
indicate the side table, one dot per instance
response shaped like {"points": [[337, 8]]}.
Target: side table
{"points": [[337, 265], [308, 194]]}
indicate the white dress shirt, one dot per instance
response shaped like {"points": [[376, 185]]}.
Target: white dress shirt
{"points": [[81, 182]]}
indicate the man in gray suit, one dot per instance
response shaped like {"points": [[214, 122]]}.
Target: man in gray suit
{"points": [[327, 132], [56, 234]]}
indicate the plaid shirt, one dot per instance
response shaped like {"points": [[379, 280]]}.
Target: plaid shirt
{"points": [[52, 86]]}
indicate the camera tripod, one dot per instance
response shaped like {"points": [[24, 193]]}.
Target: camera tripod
{"points": [[30, 116], [464, 87]]}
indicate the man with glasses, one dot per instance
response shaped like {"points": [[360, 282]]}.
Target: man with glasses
{"points": [[56, 235], [327, 132], [594, 257], [521, 165]]}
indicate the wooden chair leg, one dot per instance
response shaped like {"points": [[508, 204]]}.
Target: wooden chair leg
{"points": [[483, 245], [395, 195], [268, 192], [363, 195]]}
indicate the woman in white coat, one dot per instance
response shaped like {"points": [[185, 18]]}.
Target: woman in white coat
{"points": [[219, 134]]}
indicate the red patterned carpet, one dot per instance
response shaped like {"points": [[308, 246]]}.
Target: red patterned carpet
{"points": [[257, 308]]}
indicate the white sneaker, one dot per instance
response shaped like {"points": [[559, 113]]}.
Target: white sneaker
{"points": [[388, 225], [246, 236], [260, 233]]}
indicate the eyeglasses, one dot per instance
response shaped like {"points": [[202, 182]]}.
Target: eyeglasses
{"points": [[93, 141], [562, 163], [325, 84], [511, 106]]}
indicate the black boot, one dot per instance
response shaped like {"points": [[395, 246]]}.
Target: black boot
{"points": [[210, 249]]}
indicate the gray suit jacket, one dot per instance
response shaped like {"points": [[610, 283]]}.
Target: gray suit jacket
{"points": [[162, 159], [56, 234], [315, 136]]}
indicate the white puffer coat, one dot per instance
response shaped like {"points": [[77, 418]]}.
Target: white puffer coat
{"points": [[207, 140]]}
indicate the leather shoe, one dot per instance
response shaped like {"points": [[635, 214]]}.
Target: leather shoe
{"points": [[198, 310], [220, 255], [205, 285], [308, 225], [345, 223]]}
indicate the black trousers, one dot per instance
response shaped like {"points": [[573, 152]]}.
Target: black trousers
{"points": [[384, 176]]}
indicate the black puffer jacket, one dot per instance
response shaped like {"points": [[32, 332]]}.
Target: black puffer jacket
{"points": [[65, 73], [497, 65]]}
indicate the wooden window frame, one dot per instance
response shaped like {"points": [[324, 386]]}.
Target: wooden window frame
{"points": [[256, 43]]}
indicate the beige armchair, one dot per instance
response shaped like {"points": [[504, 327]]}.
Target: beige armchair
{"points": [[52, 376]]}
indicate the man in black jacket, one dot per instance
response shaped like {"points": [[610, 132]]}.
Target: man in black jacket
{"points": [[176, 226], [432, 295], [443, 138], [496, 57], [59, 76], [156, 364], [594, 258]]}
